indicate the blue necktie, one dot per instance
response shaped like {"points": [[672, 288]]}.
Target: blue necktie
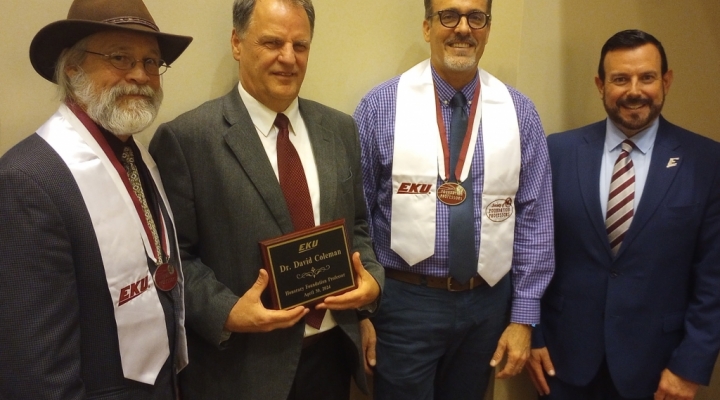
{"points": [[462, 258]]}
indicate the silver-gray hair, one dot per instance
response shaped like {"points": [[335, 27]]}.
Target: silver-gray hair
{"points": [[101, 105], [243, 9], [70, 57]]}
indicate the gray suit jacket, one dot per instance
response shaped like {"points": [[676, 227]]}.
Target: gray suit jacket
{"points": [[58, 335], [226, 198]]}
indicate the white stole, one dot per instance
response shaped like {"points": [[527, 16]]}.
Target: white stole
{"points": [[418, 157], [124, 245]]}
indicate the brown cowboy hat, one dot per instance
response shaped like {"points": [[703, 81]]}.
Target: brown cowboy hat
{"points": [[87, 17]]}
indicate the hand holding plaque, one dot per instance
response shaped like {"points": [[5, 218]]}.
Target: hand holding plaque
{"points": [[309, 265], [250, 315], [366, 291]]}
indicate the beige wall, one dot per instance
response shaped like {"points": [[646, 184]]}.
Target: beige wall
{"points": [[546, 48], [561, 41]]}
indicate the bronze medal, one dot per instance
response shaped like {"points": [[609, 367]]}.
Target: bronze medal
{"points": [[165, 277], [451, 193]]}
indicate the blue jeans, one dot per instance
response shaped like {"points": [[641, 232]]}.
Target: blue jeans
{"points": [[434, 344]]}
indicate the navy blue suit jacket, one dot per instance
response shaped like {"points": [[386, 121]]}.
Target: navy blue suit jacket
{"points": [[656, 304]]}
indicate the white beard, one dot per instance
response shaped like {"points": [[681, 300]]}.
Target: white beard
{"points": [[122, 118]]}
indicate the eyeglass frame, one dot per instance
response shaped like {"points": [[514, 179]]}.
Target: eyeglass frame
{"points": [[109, 58], [488, 17]]}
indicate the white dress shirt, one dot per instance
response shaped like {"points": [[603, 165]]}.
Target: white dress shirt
{"points": [[263, 118]]}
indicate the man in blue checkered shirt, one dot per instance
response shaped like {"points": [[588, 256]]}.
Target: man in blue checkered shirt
{"points": [[458, 187]]}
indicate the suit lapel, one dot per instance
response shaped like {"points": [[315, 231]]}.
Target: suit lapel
{"points": [[324, 151], [660, 176], [589, 159], [243, 140]]}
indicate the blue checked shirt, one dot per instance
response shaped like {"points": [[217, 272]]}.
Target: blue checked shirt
{"points": [[533, 259]]}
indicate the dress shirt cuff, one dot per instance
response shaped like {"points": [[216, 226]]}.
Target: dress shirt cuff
{"points": [[525, 311], [368, 309]]}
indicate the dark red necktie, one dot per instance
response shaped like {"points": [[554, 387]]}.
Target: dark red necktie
{"points": [[295, 190], [292, 178]]}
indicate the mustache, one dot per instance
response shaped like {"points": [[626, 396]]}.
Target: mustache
{"points": [[130, 89], [102, 104], [462, 39], [634, 101]]}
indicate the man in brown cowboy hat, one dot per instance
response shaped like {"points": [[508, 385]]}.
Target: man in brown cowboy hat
{"points": [[91, 290]]}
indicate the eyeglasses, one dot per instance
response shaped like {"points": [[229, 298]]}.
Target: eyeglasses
{"points": [[153, 66], [475, 19]]}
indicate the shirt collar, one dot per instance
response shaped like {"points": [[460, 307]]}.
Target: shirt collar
{"points": [[117, 145], [264, 118], [643, 140], [446, 92]]}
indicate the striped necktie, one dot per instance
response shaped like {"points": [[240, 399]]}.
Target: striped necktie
{"points": [[622, 197]]}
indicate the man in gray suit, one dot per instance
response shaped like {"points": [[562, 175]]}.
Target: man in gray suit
{"points": [[223, 175]]}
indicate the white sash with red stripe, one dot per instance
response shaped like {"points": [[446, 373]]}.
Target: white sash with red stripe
{"points": [[124, 246], [418, 158]]}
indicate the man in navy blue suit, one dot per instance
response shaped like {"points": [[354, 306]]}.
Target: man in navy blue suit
{"points": [[633, 311]]}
